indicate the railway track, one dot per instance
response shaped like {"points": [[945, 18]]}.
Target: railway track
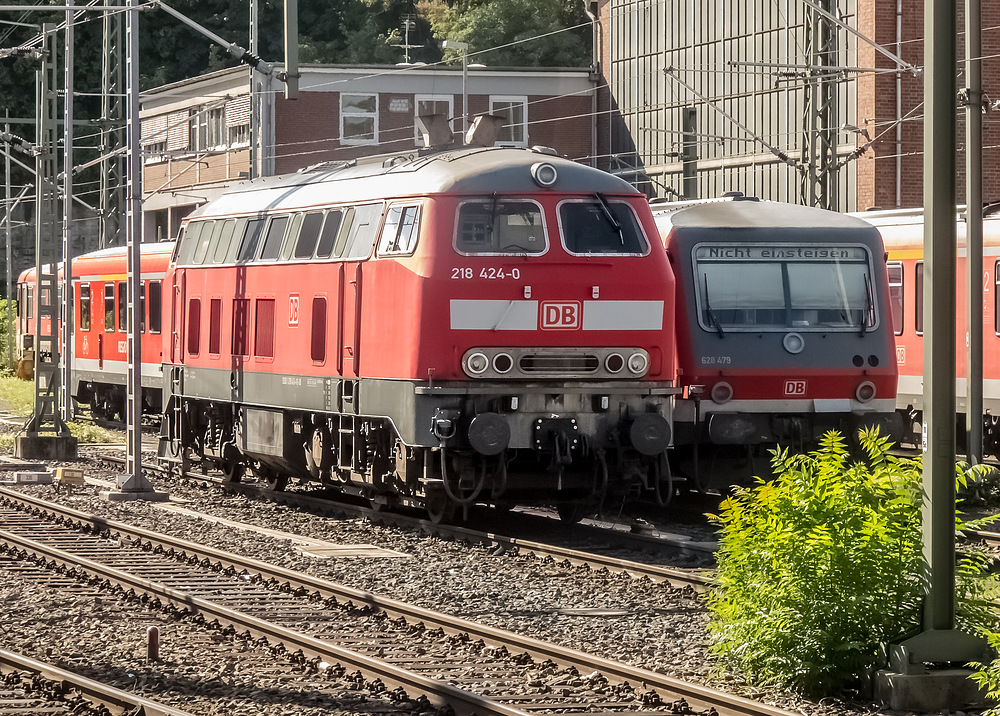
{"points": [[471, 667], [28, 686]]}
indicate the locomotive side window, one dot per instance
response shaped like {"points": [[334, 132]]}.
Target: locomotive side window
{"points": [[251, 237], [241, 343], [215, 327], [155, 306], [328, 237], [494, 226], [918, 287], [109, 307], [209, 229], [291, 236], [84, 311], [601, 227], [308, 235], [317, 343], [895, 270], [194, 326], [232, 232], [188, 241], [362, 224], [399, 233], [753, 288], [273, 238]]}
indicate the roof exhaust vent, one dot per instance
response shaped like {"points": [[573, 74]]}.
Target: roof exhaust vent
{"points": [[435, 130], [484, 130]]}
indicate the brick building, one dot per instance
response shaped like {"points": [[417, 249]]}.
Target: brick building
{"points": [[732, 88], [197, 139]]}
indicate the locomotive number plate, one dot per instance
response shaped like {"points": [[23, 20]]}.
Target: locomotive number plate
{"points": [[490, 273]]}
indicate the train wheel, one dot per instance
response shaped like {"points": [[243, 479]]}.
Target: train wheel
{"points": [[440, 508], [662, 479], [571, 512], [277, 483], [233, 471]]}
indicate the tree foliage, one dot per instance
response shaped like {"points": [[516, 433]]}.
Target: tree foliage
{"points": [[821, 565]]}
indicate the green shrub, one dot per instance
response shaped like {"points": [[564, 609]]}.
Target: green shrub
{"points": [[819, 566]]}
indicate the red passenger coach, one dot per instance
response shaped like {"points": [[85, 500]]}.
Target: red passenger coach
{"points": [[483, 324], [783, 330], [100, 330]]}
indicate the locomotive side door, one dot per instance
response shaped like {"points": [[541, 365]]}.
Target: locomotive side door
{"points": [[177, 315], [357, 248]]}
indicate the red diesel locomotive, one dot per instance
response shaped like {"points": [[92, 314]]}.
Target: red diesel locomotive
{"points": [[483, 324], [782, 331]]}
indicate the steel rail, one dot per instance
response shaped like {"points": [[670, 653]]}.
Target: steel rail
{"points": [[90, 689], [696, 694]]}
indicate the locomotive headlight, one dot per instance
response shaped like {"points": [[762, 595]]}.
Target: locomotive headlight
{"points": [[638, 363], [502, 363], [614, 363], [544, 174], [477, 363], [865, 392], [722, 392]]}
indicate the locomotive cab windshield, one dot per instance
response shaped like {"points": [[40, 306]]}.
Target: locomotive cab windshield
{"points": [[775, 288]]}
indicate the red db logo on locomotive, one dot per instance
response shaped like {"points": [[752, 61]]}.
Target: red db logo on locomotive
{"points": [[795, 388], [561, 315]]}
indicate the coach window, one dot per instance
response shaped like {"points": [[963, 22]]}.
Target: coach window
{"points": [[495, 226], [84, 311], [601, 227], [251, 238], [918, 287], [215, 327], [332, 228], [305, 244], [109, 307], [359, 118], [399, 233], [895, 270], [996, 298], [155, 306], [273, 238], [122, 306], [142, 307], [194, 326], [317, 344]]}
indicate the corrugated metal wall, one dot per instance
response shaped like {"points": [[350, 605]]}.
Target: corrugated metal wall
{"points": [[742, 67]]}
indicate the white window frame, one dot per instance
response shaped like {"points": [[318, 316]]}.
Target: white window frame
{"points": [[507, 100], [373, 115], [417, 99], [203, 123]]}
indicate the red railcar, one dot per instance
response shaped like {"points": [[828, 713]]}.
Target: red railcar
{"points": [[483, 324], [783, 330], [903, 232]]}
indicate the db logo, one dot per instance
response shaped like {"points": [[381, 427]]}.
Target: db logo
{"points": [[293, 310], [561, 315], [795, 388], [901, 355]]}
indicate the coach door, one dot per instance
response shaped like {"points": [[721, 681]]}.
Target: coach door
{"points": [[179, 279]]}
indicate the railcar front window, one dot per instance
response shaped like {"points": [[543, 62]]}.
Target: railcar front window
{"points": [[779, 288], [498, 227], [601, 227]]}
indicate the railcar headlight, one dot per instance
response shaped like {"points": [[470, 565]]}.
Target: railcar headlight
{"points": [[722, 392], [793, 343], [544, 174], [865, 392], [638, 363], [477, 363]]}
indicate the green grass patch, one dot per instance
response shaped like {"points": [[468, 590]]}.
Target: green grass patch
{"points": [[17, 397]]}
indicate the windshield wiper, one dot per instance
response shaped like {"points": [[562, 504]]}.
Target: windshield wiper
{"points": [[610, 217], [869, 304], [711, 314]]}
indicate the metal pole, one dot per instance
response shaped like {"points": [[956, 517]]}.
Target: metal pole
{"points": [[974, 231], [465, 91], [939, 312], [8, 209], [255, 135], [66, 318], [291, 49], [133, 204]]}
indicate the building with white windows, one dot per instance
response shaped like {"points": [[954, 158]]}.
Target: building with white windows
{"points": [[197, 137]]}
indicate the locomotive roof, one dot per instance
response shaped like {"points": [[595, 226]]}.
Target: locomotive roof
{"points": [[469, 170], [744, 214]]}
